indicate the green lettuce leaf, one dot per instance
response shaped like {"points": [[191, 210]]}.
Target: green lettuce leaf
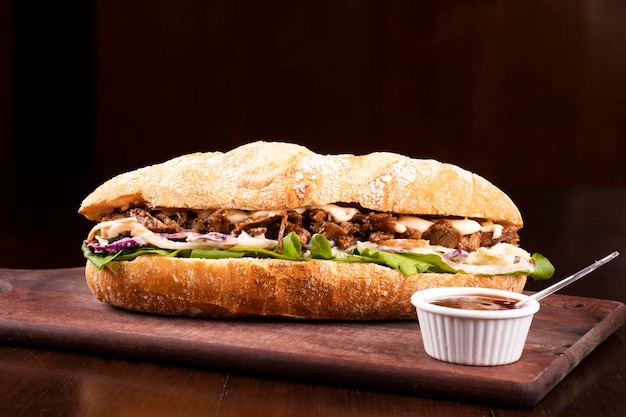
{"points": [[129, 254], [292, 246], [320, 248], [543, 267], [407, 263]]}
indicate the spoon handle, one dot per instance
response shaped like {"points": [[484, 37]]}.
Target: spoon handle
{"points": [[566, 281]]}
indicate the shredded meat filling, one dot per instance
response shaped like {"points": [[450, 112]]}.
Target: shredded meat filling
{"points": [[373, 227]]}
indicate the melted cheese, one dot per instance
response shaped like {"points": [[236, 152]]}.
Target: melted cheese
{"points": [[343, 214], [499, 259], [412, 222], [340, 214], [466, 226], [496, 229], [236, 216], [115, 228]]}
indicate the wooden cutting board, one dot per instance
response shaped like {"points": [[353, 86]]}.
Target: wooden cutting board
{"points": [[54, 309]]}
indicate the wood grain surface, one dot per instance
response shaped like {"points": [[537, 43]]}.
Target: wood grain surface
{"points": [[54, 309]]}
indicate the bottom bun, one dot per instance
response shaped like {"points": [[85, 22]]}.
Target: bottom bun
{"points": [[249, 287]]}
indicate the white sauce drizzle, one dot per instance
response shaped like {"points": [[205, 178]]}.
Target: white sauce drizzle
{"points": [[501, 258]]}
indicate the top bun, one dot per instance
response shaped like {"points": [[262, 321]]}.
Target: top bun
{"points": [[276, 175]]}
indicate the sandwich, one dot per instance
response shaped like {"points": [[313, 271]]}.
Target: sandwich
{"points": [[275, 230]]}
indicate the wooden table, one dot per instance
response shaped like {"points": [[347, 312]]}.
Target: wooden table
{"points": [[571, 226]]}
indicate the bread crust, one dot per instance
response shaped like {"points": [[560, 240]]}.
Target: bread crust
{"points": [[275, 175], [248, 287]]}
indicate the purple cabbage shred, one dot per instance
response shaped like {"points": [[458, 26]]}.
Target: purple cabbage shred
{"points": [[118, 245], [457, 255]]}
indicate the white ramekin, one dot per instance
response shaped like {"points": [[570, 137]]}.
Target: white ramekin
{"points": [[473, 337]]}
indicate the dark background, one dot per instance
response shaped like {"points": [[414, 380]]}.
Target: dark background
{"points": [[525, 93]]}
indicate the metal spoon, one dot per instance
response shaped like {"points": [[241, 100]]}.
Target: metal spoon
{"points": [[546, 292]]}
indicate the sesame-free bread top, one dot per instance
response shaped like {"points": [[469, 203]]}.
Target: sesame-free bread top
{"points": [[277, 175]]}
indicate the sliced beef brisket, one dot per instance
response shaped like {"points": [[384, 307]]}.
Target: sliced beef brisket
{"points": [[373, 226]]}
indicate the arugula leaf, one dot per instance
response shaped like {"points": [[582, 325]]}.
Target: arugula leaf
{"points": [[408, 263], [434, 262], [543, 267], [259, 253], [129, 254], [216, 253], [292, 246], [320, 247]]}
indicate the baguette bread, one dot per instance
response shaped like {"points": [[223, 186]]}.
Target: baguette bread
{"points": [[274, 175], [281, 176], [247, 287]]}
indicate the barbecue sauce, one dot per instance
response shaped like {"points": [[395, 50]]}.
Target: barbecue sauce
{"points": [[476, 302]]}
